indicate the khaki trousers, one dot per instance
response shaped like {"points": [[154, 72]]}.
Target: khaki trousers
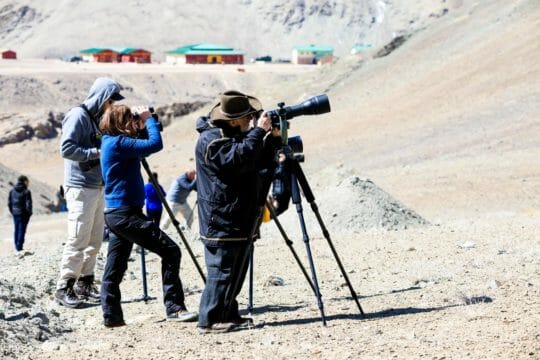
{"points": [[85, 233]]}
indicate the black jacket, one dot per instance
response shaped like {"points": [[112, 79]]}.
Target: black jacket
{"points": [[20, 200], [228, 181]]}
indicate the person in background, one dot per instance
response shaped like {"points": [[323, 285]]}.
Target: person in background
{"points": [[122, 150], [177, 197], [83, 184], [154, 208], [20, 207]]}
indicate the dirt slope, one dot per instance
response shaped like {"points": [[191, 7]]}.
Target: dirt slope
{"points": [[447, 125]]}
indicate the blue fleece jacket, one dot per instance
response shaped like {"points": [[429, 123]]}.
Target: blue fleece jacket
{"points": [[153, 202], [121, 166]]}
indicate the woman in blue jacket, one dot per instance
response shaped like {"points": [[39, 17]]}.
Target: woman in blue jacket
{"points": [[121, 153]]}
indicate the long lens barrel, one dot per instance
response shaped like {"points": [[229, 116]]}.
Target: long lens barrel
{"points": [[312, 106]]}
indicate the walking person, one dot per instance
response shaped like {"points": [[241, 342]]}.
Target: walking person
{"points": [[83, 184], [229, 154], [177, 196], [20, 207], [122, 150], [154, 208]]}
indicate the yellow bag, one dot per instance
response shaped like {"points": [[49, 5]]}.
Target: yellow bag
{"points": [[266, 215]]}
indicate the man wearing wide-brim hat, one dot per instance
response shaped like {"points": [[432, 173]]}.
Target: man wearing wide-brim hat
{"points": [[229, 155]]}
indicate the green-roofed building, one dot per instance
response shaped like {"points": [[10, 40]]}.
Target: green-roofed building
{"points": [[360, 48], [204, 54], [312, 54], [116, 54]]}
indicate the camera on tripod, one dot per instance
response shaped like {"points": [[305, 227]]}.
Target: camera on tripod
{"points": [[313, 106], [292, 147]]}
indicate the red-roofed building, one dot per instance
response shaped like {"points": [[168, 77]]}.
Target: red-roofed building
{"points": [[8, 54]]}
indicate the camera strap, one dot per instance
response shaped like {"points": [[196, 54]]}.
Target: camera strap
{"points": [[96, 136]]}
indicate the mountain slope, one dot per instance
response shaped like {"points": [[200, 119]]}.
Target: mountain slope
{"points": [[54, 28]]}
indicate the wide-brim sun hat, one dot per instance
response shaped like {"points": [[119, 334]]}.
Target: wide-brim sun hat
{"points": [[234, 105]]}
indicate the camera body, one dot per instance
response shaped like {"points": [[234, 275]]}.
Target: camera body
{"points": [[295, 148], [154, 115], [143, 134]]}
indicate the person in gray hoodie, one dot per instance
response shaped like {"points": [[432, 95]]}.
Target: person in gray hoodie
{"points": [[83, 183]]}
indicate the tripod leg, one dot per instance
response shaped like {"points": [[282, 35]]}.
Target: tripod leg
{"points": [[295, 194], [297, 171], [250, 294], [171, 215], [145, 296], [289, 243]]}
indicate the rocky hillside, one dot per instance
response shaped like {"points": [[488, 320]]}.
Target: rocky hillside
{"points": [[38, 28]]}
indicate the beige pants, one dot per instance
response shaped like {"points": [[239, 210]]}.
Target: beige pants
{"points": [[85, 233], [184, 209]]}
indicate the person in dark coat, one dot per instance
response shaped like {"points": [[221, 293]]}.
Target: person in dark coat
{"points": [[20, 207], [229, 154]]}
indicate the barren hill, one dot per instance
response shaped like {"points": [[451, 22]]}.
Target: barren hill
{"points": [[259, 27], [445, 127]]}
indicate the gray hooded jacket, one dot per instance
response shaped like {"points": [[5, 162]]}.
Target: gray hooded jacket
{"points": [[81, 137]]}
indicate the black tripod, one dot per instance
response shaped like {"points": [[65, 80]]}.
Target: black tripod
{"points": [[298, 181], [145, 297], [175, 222]]}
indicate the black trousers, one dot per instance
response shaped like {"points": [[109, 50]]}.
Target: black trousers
{"points": [[128, 226], [223, 266]]}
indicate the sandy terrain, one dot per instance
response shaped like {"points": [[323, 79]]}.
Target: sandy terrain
{"points": [[446, 130]]}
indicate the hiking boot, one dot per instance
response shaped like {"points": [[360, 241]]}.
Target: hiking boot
{"points": [[112, 323], [217, 328], [67, 297], [182, 316], [87, 290], [243, 323]]}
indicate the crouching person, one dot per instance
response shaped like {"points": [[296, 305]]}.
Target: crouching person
{"points": [[121, 154]]}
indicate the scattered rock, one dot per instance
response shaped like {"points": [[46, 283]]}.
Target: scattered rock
{"points": [[494, 284], [273, 280], [468, 245]]}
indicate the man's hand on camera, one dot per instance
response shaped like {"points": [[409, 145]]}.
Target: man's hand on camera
{"points": [[276, 132], [264, 122]]}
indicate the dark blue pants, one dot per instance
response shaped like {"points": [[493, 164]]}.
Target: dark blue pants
{"points": [[20, 222], [128, 226], [223, 265], [155, 216]]}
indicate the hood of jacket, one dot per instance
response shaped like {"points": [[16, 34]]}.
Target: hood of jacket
{"points": [[101, 91], [202, 124], [19, 187]]}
